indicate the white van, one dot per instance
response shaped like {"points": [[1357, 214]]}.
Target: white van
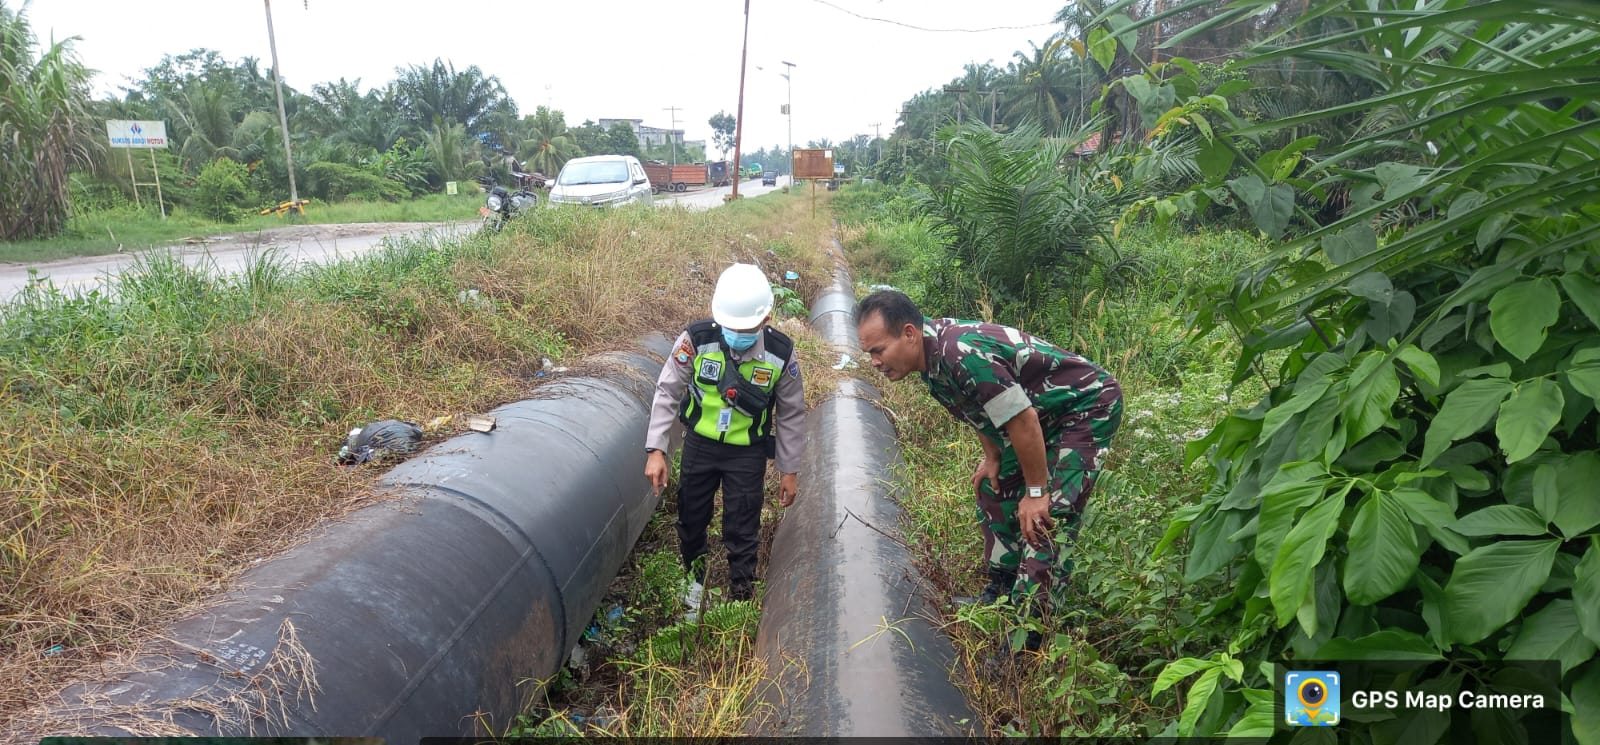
{"points": [[602, 181]]}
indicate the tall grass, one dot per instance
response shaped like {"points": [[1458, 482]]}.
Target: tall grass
{"points": [[155, 443], [1124, 619]]}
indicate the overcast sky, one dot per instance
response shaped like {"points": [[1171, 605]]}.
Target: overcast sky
{"points": [[598, 59]]}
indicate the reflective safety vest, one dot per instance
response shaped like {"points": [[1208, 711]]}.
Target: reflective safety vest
{"points": [[728, 405]]}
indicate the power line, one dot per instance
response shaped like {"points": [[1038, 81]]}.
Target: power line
{"points": [[933, 30]]}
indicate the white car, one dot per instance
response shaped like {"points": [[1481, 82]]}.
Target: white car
{"points": [[601, 181]]}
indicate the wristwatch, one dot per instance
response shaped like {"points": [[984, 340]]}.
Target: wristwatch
{"points": [[1035, 492], [648, 451]]}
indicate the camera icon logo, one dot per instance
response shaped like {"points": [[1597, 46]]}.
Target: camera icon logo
{"points": [[1311, 698]]}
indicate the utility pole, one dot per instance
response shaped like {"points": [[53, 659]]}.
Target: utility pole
{"points": [[788, 110], [877, 134], [907, 138], [960, 99], [738, 124], [283, 119], [670, 139]]}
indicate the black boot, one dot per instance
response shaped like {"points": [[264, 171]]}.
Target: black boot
{"points": [[1000, 582]]}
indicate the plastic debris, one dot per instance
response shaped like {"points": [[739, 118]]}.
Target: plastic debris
{"points": [[876, 288], [845, 362], [790, 276], [54, 651], [480, 423], [390, 438]]}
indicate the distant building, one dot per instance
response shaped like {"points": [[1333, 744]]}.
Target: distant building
{"points": [[649, 136]]}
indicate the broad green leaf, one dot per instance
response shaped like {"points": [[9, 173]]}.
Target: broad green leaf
{"points": [[1586, 705], [1215, 160], [1233, 86], [1250, 189], [1178, 670], [1546, 491], [1583, 371], [1374, 286], [1103, 48], [1423, 366], [1502, 519], [1273, 212], [1368, 405], [1211, 549], [1521, 315], [1389, 644], [1492, 228], [1296, 485], [1584, 292], [1527, 417], [1397, 178], [1586, 592], [1350, 244], [1578, 509], [1552, 634], [1179, 524], [1394, 319], [1491, 585], [1260, 720], [1297, 559], [1383, 550], [1280, 414], [1466, 409], [1198, 699]]}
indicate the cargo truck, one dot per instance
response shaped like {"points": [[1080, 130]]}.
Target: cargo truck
{"points": [[674, 178]]}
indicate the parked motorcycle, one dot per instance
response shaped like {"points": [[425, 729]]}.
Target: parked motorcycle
{"points": [[500, 205]]}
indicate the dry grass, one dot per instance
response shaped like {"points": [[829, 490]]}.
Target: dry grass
{"points": [[148, 456]]}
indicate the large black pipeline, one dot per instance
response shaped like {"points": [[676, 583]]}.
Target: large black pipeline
{"points": [[844, 632], [425, 613]]}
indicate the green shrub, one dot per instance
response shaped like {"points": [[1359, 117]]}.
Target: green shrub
{"points": [[220, 190]]}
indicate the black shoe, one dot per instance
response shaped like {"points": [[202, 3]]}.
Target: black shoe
{"points": [[742, 592], [1000, 582]]}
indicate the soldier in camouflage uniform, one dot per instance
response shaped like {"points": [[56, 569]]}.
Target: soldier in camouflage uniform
{"points": [[1044, 416]]}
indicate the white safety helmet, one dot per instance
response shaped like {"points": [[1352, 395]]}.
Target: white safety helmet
{"points": [[743, 297]]}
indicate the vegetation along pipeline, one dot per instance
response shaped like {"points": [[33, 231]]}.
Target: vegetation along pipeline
{"points": [[844, 610]]}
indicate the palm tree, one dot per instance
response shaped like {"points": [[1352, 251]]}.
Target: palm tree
{"points": [[1042, 93], [545, 145], [44, 129], [426, 96]]}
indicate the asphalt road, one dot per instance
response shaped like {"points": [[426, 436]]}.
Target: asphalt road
{"points": [[704, 199], [299, 244]]}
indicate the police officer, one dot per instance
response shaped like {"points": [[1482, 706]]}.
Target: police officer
{"points": [[1044, 416], [735, 385]]}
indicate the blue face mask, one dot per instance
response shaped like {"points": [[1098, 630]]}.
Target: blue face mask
{"points": [[741, 340]]}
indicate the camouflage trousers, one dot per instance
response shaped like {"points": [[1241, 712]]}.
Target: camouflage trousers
{"points": [[1073, 457]]}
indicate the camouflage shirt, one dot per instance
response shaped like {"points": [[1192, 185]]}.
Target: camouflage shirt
{"points": [[985, 374]]}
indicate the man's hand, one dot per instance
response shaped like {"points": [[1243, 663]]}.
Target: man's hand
{"points": [[655, 470], [1034, 515], [988, 468], [788, 486]]}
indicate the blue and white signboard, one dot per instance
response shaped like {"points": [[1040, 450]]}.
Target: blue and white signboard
{"points": [[135, 134]]}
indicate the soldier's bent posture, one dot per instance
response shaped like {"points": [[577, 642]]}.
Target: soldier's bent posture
{"points": [[1044, 416]]}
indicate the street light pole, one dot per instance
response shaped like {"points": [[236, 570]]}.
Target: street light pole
{"points": [[789, 83], [283, 119], [738, 125]]}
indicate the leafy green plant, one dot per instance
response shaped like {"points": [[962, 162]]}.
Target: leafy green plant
{"points": [[221, 191], [1415, 485]]}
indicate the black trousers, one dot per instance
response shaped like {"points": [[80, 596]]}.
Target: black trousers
{"points": [[741, 472]]}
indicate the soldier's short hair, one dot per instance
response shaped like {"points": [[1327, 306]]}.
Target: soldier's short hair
{"points": [[893, 307]]}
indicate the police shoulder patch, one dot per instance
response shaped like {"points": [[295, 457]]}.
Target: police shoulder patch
{"points": [[683, 353], [794, 368]]}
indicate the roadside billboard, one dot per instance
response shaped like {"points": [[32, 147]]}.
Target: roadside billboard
{"points": [[812, 163], [136, 134]]}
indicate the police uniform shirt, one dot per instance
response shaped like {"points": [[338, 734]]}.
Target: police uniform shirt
{"points": [[789, 413]]}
